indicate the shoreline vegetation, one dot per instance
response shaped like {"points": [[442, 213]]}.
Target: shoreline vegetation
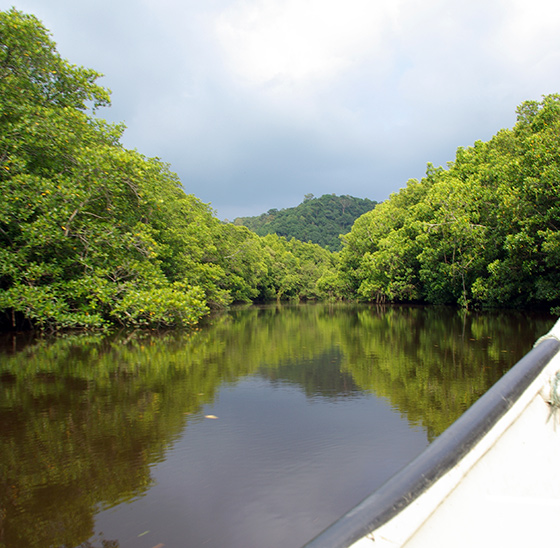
{"points": [[94, 235]]}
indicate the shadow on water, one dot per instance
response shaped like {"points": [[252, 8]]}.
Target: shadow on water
{"points": [[84, 419]]}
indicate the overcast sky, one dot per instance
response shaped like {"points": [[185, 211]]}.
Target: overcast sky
{"points": [[255, 103]]}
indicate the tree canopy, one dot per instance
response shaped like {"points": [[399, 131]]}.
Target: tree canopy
{"points": [[483, 232], [93, 234]]}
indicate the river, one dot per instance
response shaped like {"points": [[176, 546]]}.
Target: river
{"points": [[257, 430]]}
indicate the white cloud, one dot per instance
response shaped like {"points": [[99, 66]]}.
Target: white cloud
{"points": [[528, 28], [267, 42]]}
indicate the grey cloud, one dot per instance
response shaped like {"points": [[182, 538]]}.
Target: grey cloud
{"points": [[442, 80]]}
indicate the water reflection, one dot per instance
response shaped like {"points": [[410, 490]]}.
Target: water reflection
{"points": [[433, 363], [92, 423]]}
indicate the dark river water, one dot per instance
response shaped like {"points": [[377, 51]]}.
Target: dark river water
{"points": [[256, 431]]}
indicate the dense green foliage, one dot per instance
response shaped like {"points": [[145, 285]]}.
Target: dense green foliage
{"points": [[94, 234], [318, 220], [483, 232]]}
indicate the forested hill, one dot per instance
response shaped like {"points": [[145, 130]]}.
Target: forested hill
{"points": [[318, 220]]}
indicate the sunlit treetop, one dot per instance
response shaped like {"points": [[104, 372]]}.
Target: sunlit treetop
{"points": [[31, 68]]}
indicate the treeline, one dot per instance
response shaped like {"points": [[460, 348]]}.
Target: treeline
{"points": [[483, 232], [93, 234], [318, 220]]}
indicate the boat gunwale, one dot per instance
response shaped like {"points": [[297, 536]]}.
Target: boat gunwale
{"points": [[441, 455]]}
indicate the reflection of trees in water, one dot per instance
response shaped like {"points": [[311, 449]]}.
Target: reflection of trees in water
{"points": [[84, 417], [94, 413], [433, 363]]}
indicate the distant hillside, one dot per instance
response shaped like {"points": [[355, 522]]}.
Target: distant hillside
{"points": [[319, 220]]}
